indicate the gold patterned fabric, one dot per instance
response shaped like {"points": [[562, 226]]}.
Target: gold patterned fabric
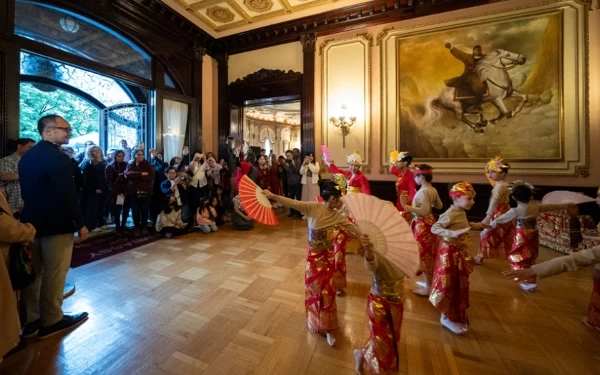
{"points": [[497, 242], [593, 314], [392, 290], [354, 189], [450, 286], [525, 247], [380, 354], [426, 242], [321, 309], [340, 242]]}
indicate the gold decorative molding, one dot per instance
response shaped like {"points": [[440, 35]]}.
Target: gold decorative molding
{"points": [[575, 144], [249, 11], [324, 44], [382, 34], [364, 43]]}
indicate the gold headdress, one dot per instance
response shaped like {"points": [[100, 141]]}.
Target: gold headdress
{"points": [[341, 183], [496, 165], [516, 183], [461, 188], [396, 156], [355, 158]]}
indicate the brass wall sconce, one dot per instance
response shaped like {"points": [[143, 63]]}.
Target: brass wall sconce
{"points": [[343, 123]]}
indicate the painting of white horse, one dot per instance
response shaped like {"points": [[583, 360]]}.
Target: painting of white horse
{"points": [[481, 91]]}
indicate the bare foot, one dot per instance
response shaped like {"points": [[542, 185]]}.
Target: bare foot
{"points": [[528, 287], [478, 260], [457, 328], [422, 291], [340, 292], [331, 339], [359, 361]]}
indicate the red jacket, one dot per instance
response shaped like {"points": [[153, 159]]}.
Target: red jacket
{"points": [[359, 180], [405, 182], [135, 181]]}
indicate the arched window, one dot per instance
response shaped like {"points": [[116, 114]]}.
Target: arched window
{"points": [[80, 36]]}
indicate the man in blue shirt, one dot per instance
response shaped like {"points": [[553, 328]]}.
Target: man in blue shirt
{"points": [[51, 206]]}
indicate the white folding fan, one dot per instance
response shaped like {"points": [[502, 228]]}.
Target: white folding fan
{"points": [[390, 234], [562, 196]]}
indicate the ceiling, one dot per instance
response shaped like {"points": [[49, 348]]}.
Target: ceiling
{"points": [[227, 17], [288, 113]]}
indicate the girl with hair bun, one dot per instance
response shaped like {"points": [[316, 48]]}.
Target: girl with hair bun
{"points": [[405, 184], [324, 221]]}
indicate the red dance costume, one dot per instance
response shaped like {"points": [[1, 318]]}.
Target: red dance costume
{"points": [[426, 241], [450, 286], [321, 309], [264, 178], [525, 247], [357, 183], [339, 262], [385, 310], [497, 242], [406, 188]]}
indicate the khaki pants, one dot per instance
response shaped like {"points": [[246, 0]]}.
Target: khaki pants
{"points": [[51, 260]]}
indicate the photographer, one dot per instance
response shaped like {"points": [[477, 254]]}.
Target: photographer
{"points": [[199, 183], [176, 186]]}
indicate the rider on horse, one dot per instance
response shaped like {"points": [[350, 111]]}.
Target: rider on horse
{"points": [[469, 80]]}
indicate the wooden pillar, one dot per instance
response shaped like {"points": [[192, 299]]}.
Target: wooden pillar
{"points": [[196, 121], [9, 76], [223, 102], [307, 108]]}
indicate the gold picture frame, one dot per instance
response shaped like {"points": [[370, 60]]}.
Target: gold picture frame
{"points": [[554, 118]]}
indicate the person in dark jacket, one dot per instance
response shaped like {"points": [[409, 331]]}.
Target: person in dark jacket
{"points": [[176, 185], [160, 169], [117, 187], [48, 190], [140, 174], [94, 189]]}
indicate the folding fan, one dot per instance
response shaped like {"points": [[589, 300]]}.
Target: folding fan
{"points": [[255, 203], [319, 199], [326, 154], [394, 156], [562, 196], [388, 230]]}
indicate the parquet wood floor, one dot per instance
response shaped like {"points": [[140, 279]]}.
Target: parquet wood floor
{"points": [[233, 303]]}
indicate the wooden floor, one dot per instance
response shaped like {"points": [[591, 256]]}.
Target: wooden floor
{"points": [[233, 303]]}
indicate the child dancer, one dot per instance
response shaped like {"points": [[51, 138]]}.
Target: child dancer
{"points": [[384, 309], [426, 198], [357, 182], [323, 220], [568, 263], [405, 184], [525, 246], [454, 264], [340, 241], [496, 243]]}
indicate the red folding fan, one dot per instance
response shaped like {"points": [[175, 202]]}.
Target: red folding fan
{"points": [[255, 203], [326, 153]]}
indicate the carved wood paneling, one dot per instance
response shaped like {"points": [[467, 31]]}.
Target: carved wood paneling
{"points": [[308, 93]]}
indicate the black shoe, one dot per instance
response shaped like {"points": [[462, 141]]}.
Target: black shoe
{"points": [[67, 322], [68, 290], [31, 329]]}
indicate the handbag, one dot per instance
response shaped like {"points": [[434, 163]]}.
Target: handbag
{"points": [[20, 266]]}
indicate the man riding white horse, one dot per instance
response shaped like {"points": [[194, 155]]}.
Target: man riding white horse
{"points": [[469, 80]]}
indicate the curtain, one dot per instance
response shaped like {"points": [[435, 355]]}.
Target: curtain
{"points": [[175, 116]]}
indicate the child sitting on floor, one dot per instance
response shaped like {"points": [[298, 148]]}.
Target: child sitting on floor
{"points": [[169, 221], [207, 214]]}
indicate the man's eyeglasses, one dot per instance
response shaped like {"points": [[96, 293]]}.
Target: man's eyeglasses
{"points": [[66, 130]]}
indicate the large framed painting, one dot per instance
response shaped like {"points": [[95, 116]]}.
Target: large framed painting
{"points": [[513, 84]]}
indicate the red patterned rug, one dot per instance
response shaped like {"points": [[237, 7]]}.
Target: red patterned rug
{"points": [[107, 244]]}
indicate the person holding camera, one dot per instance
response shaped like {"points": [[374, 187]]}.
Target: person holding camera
{"points": [[199, 182], [176, 186]]}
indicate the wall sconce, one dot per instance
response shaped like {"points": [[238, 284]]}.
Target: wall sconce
{"points": [[343, 124]]}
